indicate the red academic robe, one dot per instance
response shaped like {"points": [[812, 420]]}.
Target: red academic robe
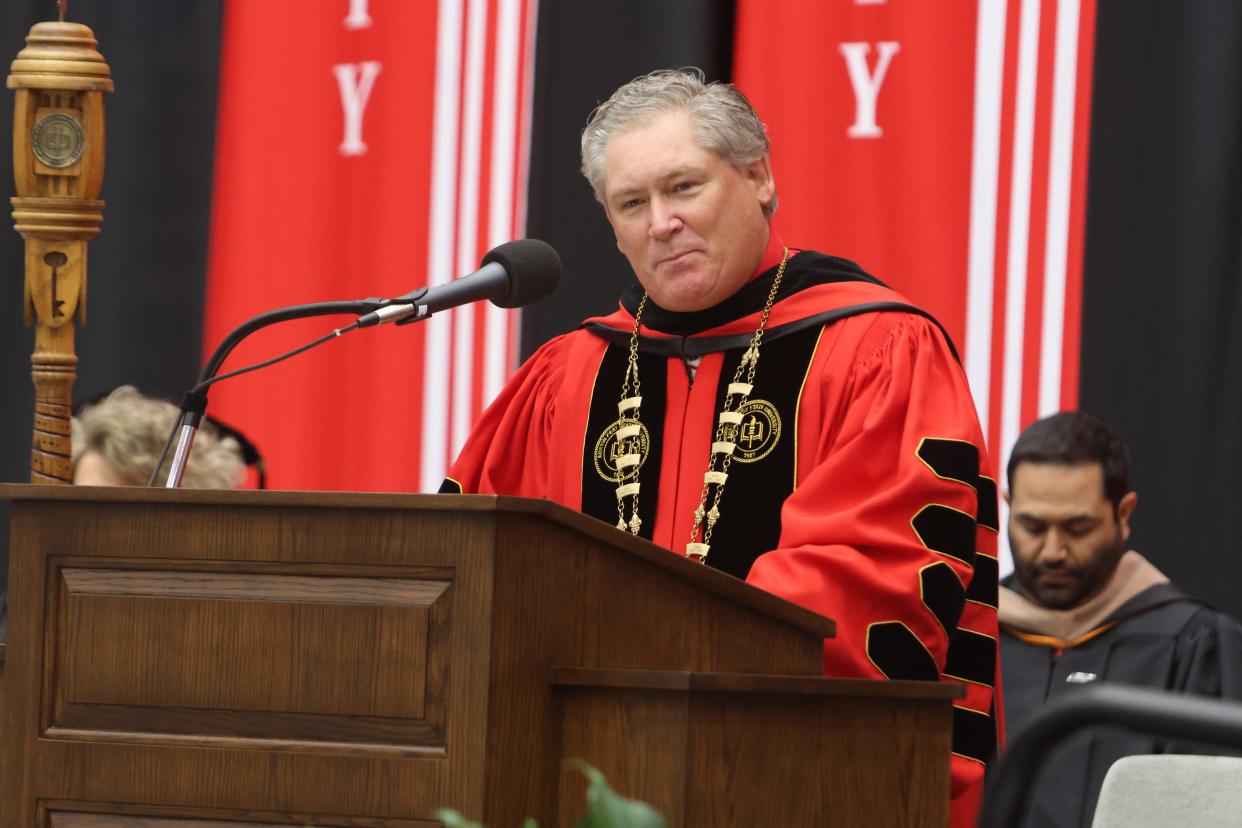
{"points": [[856, 490]]}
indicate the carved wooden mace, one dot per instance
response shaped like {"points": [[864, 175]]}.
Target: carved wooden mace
{"points": [[58, 164]]}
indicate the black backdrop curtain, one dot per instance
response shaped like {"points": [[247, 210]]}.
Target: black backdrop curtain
{"points": [[1162, 341], [1161, 356]]}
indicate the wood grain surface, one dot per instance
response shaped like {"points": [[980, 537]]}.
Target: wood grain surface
{"points": [[712, 752], [279, 658]]}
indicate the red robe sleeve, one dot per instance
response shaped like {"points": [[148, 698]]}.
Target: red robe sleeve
{"points": [[882, 531], [509, 449]]}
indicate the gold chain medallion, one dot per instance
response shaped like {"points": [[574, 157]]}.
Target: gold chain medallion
{"points": [[612, 453], [759, 431], [742, 427]]}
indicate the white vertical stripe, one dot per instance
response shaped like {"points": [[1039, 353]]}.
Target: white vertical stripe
{"points": [[528, 98], [1060, 171], [1019, 231], [985, 163], [440, 240], [500, 209], [523, 154], [468, 218]]}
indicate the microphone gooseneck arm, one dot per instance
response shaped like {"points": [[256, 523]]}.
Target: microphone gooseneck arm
{"points": [[511, 275], [248, 327], [194, 404]]}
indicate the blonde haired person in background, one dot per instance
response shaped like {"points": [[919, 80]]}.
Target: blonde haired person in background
{"points": [[117, 441]]}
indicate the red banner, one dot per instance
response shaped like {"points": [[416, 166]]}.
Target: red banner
{"points": [[365, 148], [943, 146]]}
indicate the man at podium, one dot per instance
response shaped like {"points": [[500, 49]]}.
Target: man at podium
{"points": [[775, 413]]}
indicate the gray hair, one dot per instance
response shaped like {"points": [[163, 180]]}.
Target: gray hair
{"points": [[128, 431], [724, 121]]}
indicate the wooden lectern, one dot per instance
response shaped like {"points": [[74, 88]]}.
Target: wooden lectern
{"points": [[183, 659]]}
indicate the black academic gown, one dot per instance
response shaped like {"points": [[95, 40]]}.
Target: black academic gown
{"points": [[1162, 639]]}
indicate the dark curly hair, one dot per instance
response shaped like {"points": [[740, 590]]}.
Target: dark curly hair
{"points": [[1073, 437]]}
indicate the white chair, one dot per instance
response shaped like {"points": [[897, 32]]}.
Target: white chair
{"points": [[1167, 789]]}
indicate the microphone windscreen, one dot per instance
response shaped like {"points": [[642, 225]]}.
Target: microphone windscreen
{"points": [[534, 270]]}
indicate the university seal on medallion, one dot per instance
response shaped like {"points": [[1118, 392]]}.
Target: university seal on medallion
{"points": [[759, 431], [625, 437], [58, 140]]}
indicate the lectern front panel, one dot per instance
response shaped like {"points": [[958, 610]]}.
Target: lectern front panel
{"points": [[329, 659], [269, 660]]}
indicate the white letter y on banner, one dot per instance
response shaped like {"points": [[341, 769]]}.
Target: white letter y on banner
{"points": [[866, 84], [355, 81]]}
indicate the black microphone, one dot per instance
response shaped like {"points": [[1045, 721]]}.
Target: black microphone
{"points": [[514, 274]]}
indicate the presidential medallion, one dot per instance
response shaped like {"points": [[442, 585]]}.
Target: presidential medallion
{"points": [[758, 432], [58, 140], [623, 445]]}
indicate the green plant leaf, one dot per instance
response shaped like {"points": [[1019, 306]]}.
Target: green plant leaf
{"points": [[452, 819], [608, 809], [605, 807]]}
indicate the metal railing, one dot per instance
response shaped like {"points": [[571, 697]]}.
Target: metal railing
{"points": [[1153, 712]]}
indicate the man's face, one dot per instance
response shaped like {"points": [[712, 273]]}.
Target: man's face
{"points": [[1065, 537], [690, 223]]}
